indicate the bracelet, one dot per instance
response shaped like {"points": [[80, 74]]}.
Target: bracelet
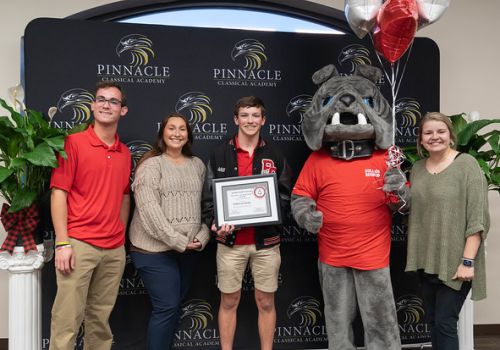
{"points": [[63, 246], [58, 244]]}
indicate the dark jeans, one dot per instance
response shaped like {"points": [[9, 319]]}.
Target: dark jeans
{"points": [[167, 277], [442, 307]]}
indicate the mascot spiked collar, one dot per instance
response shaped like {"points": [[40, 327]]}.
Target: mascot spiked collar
{"points": [[348, 113]]}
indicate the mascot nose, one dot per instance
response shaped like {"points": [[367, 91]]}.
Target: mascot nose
{"points": [[347, 99]]}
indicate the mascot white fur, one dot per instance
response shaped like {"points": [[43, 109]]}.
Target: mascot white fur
{"points": [[342, 194]]}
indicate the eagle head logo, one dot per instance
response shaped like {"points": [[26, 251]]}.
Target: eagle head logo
{"points": [[198, 312], [197, 104], [79, 100], [354, 55], [137, 149], [408, 111], [410, 309], [297, 106], [307, 307], [253, 52], [139, 47]]}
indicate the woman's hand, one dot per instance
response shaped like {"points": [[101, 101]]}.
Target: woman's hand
{"points": [[194, 244], [464, 273]]}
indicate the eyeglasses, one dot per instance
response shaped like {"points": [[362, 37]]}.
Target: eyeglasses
{"points": [[112, 101]]}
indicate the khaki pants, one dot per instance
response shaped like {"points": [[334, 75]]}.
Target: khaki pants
{"points": [[89, 292]]}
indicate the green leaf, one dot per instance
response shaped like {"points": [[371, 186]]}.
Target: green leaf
{"points": [[471, 129], [17, 163], [56, 142], [493, 142], [5, 173], [459, 122], [42, 155], [78, 128], [22, 199], [16, 117]]}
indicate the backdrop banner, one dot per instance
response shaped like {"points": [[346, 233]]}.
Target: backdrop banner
{"points": [[201, 73]]}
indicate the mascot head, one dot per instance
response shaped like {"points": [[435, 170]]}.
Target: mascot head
{"points": [[348, 108]]}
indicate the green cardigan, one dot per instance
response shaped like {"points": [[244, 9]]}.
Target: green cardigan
{"points": [[446, 208]]}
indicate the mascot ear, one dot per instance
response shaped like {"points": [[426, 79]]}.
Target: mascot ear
{"points": [[368, 72], [324, 74]]}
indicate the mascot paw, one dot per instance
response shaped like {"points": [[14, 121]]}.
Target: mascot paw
{"points": [[395, 185], [305, 213], [394, 180]]}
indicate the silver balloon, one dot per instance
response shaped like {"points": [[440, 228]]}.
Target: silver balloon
{"points": [[429, 11], [362, 15]]}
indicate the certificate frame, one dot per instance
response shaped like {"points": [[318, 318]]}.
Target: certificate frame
{"points": [[245, 201]]}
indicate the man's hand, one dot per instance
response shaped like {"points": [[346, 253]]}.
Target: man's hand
{"points": [[224, 230], [65, 259]]}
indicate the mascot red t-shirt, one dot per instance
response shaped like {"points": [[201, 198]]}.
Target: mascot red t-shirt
{"points": [[356, 222]]}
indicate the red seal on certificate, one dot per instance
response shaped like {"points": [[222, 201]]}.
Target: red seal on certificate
{"points": [[259, 191]]}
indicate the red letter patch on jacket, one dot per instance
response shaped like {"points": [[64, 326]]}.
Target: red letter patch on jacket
{"points": [[268, 166]]}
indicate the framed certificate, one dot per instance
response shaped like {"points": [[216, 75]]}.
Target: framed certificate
{"points": [[247, 200]]}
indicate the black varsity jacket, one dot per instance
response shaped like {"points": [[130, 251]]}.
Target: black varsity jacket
{"points": [[267, 159]]}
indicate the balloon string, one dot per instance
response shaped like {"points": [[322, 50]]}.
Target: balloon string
{"points": [[393, 91], [404, 67]]}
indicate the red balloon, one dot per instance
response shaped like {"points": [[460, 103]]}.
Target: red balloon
{"points": [[396, 26]]}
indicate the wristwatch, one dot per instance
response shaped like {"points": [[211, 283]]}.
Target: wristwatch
{"points": [[468, 262]]}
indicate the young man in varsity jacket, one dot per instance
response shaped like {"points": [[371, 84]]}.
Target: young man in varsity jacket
{"points": [[247, 154]]}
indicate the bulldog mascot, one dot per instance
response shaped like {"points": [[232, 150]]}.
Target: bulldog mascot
{"points": [[345, 193]]}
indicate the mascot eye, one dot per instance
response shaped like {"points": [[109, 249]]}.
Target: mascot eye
{"points": [[368, 101], [327, 100]]}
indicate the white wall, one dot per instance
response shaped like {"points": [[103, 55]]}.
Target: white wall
{"points": [[466, 36]]}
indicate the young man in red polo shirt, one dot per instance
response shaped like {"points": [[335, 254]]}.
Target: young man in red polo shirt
{"points": [[248, 154], [90, 207]]}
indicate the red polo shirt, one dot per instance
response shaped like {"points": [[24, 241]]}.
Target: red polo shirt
{"points": [[96, 177], [245, 235]]}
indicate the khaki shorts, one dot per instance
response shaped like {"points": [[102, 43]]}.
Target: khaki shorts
{"points": [[232, 262]]}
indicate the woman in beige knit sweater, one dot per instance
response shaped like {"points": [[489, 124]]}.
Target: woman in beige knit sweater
{"points": [[166, 230], [448, 224]]}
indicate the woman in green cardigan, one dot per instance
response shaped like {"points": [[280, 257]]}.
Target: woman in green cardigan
{"points": [[448, 224]]}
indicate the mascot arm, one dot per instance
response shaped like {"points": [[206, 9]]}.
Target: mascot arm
{"points": [[395, 185], [305, 213]]}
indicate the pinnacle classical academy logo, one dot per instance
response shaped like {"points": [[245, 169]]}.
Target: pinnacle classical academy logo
{"points": [[250, 55], [196, 107], [138, 46], [307, 327], [137, 149], [410, 312], [354, 55], [308, 308], [297, 106], [137, 49], [407, 117], [197, 312], [197, 328], [292, 131], [73, 108], [252, 51]]}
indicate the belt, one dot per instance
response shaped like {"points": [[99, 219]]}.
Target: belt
{"points": [[349, 149]]}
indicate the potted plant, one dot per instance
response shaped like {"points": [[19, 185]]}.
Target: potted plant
{"points": [[485, 147], [28, 149]]}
